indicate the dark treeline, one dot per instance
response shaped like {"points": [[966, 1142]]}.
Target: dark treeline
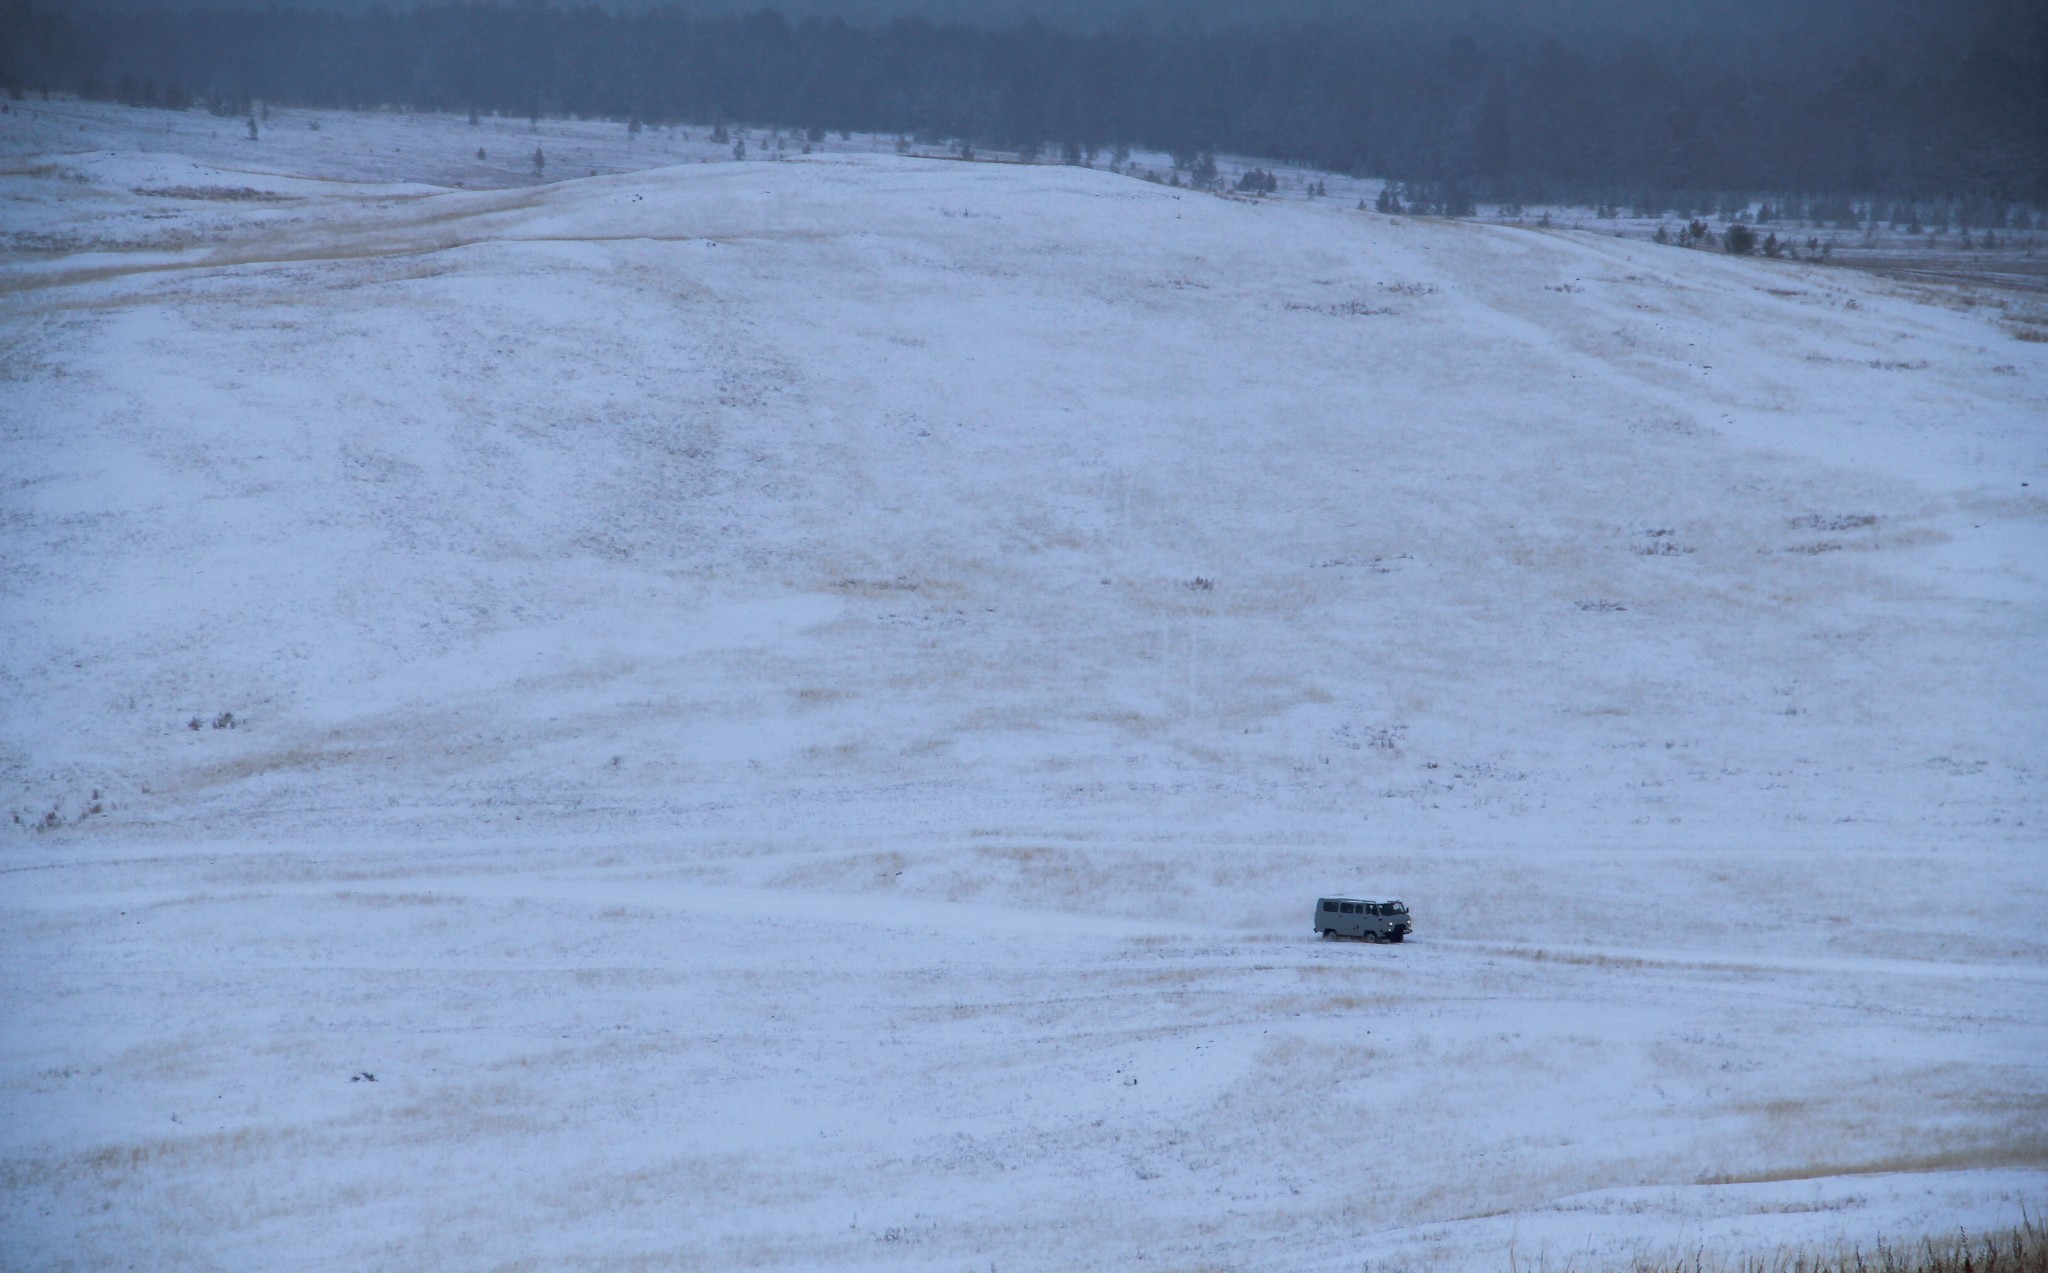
{"points": [[1909, 100]]}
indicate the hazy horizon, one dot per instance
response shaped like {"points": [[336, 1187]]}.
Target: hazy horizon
{"points": [[1718, 19]]}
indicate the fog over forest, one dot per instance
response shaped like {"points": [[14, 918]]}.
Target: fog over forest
{"points": [[1652, 104]]}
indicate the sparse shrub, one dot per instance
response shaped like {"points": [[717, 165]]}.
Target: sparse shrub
{"points": [[1739, 239]]}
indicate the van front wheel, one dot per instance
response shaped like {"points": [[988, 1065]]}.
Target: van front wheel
{"points": [[1327, 934]]}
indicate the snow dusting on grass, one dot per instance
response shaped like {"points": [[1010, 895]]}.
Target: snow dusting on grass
{"points": [[792, 715]]}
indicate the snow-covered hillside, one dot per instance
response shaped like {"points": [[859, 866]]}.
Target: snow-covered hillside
{"points": [[793, 714]]}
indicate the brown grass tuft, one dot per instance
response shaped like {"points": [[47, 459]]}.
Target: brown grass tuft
{"points": [[2018, 1250]]}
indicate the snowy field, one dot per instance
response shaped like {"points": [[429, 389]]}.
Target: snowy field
{"points": [[791, 715]]}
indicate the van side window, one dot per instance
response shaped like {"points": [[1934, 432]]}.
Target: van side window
{"points": [[1329, 905], [1350, 908]]}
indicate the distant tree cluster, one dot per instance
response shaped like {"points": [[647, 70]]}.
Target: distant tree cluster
{"points": [[1956, 106]]}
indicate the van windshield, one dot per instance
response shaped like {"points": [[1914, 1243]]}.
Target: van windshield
{"points": [[1397, 908]]}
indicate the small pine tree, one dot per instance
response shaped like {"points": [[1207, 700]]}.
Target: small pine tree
{"points": [[479, 152], [739, 148], [540, 161], [252, 128], [1389, 201], [1739, 239], [719, 136]]}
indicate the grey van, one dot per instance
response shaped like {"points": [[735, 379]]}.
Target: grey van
{"points": [[1356, 917]]}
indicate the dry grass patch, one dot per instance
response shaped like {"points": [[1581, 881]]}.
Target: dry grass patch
{"points": [[2018, 1250]]}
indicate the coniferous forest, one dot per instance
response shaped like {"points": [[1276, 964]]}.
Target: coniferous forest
{"points": [[1899, 99]]}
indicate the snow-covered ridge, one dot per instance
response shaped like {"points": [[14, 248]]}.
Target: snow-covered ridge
{"points": [[792, 713]]}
